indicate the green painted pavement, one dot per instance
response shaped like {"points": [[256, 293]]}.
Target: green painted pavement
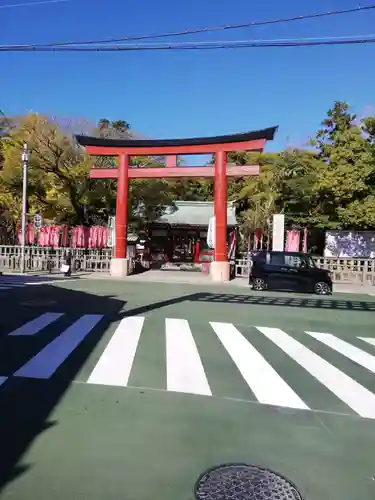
{"points": [[66, 438], [138, 444]]}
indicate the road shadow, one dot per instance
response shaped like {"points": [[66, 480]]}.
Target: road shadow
{"points": [[257, 300], [284, 301], [26, 405]]}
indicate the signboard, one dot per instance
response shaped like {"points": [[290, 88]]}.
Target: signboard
{"points": [[112, 232], [211, 233], [37, 220]]}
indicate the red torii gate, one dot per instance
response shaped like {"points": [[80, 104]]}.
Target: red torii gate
{"points": [[218, 145]]}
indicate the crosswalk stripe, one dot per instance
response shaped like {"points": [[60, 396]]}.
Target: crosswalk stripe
{"points": [[12, 284], [36, 325], [368, 340], [3, 379], [354, 353], [350, 392], [115, 364], [48, 360], [185, 372], [266, 384]]}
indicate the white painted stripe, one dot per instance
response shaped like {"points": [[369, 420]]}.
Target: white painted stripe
{"points": [[266, 384], [368, 340], [115, 364], [345, 388], [4, 288], [36, 325], [11, 284], [48, 360], [2, 380], [357, 355], [50, 282], [185, 372]]}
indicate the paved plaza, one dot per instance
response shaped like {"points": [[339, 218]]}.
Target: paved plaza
{"points": [[113, 389]]}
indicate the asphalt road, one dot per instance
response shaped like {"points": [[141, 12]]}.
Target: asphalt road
{"points": [[111, 390]]}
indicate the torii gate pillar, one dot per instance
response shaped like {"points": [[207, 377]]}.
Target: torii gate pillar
{"points": [[120, 262], [219, 268]]}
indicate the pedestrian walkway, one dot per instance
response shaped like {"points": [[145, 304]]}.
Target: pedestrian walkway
{"points": [[198, 278], [300, 370]]}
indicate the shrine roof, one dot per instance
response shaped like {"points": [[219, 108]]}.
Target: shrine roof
{"points": [[194, 213], [266, 134]]}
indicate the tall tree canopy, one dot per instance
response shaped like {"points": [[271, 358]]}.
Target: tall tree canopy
{"points": [[59, 187], [345, 173]]}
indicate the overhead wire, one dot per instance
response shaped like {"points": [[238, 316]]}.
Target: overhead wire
{"points": [[196, 31], [175, 46], [31, 4]]}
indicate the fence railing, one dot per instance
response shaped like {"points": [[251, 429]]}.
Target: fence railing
{"points": [[359, 271], [350, 270], [49, 260], [243, 267]]}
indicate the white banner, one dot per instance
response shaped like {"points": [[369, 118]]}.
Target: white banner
{"points": [[278, 232], [211, 232]]}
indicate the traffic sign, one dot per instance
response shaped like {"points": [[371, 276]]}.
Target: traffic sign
{"points": [[37, 220]]}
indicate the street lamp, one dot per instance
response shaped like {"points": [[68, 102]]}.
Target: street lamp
{"points": [[25, 161]]}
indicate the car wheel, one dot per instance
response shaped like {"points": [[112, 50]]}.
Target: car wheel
{"points": [[259, 284], [322, 288]]}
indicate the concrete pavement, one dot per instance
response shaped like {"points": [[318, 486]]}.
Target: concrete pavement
{"points": [[157, 276], [179, 277]]}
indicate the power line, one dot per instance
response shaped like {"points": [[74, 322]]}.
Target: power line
{"points": [[31, 4], [241, 44], [208, 29]]}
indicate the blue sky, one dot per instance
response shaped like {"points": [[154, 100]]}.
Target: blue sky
{"points": [[177, 94]]}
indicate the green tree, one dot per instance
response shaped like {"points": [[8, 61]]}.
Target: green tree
{"points": [[59, 186], [256, 197], [297, 177], [369, 129], [57, 183], [118, 129], [345, 173]]}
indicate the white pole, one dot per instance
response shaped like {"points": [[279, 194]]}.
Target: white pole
{"points": [[25, 160]]}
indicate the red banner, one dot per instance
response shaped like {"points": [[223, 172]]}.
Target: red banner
{"points": [[258, 237], [292, 241], [30, 235], [58, 236], [305, 237]]}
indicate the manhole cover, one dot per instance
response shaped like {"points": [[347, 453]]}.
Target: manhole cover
{"points": [[39, 303], [244, 482]]}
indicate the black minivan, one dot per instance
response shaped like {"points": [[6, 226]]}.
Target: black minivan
{"points": [[288, 271]]}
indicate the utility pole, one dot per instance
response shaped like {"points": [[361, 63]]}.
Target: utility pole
{"points": [[25, 161]]}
